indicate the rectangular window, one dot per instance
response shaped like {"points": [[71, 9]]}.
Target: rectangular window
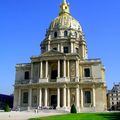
{"points": [[25, 97], [87, 72], [65, 49], [26, 76], [87, 97]]}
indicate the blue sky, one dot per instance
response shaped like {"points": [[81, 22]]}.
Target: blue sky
{"points": [[23, 24]]}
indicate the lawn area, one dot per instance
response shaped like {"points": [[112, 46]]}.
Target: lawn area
{"points": [[83, 116]]}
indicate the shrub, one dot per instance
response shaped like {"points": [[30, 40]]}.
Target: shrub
{"points": [[73, 109], [7, 108]]}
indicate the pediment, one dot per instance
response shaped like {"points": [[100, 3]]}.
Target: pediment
{"points": [[52, 53]]}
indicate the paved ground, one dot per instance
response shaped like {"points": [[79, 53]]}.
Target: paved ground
{"points": [[24, 115]]}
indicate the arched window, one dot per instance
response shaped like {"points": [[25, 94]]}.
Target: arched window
{"points": [[55, 34], [65, 33]]}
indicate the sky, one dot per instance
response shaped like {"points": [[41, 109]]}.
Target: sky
{"points": [[23, 24]]}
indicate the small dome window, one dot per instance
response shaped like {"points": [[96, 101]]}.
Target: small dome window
{"points": [[55, 34], [75, 34], [65, 33]]}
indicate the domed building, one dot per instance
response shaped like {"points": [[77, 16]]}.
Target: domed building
{"points": [[62, 75]]}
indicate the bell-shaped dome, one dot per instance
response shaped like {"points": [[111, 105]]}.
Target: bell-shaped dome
{"points": [[65, 20]]}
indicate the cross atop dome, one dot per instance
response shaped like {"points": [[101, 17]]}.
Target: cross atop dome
{"points": [[64, 8]]}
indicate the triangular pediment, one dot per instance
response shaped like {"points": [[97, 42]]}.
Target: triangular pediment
{"points": [[52, 53]]}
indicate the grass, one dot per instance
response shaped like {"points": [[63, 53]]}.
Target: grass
{"points": [[82, 116]]}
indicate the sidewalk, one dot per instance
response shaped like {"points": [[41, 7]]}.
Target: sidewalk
{"points": [[25, 115]]}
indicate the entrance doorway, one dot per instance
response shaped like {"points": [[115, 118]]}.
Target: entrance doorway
{"points": [[54, 101]]}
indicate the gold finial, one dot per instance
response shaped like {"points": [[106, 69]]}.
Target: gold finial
{"points": [[64, 8]]}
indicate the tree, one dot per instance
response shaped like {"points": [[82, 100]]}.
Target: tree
{"points": [[73, 109], [7, 108]]}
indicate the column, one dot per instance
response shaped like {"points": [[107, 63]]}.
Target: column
{"points": [[48, 45], [46, 96], [58, 47], [64, 67], [30, 98], [41, 70], [71, 47], [68, 91], [77, 68], [61, 47], [93, 90], [77, 96], [81, 97], [77, 71], [64, 97], [80, 72], [83, 51], [19, 97], [58, 68], [46, 75], [68, 69], [31, 72], [40, 97], [58, 97]]}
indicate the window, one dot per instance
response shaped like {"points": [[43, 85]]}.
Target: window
{"points": [[65, 7], [76, 50], [25, 97], [75, 34], [26, 76], [55, 48], [87, 97], [55, 34], [87, 72], [112, 103], [65, 33], [65, 49]]}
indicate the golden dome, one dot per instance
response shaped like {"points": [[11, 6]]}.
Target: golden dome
{"points": [[65, 20]]}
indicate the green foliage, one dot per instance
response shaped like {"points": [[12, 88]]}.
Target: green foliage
{"points": [[83, 116], [73, 109], [7, 108]]}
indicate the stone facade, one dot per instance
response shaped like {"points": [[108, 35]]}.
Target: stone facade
{"points": [[113, 98], [62, 75]]}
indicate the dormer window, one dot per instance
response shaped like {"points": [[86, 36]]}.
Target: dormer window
{"points": [[55, 34], [65, 33]]}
